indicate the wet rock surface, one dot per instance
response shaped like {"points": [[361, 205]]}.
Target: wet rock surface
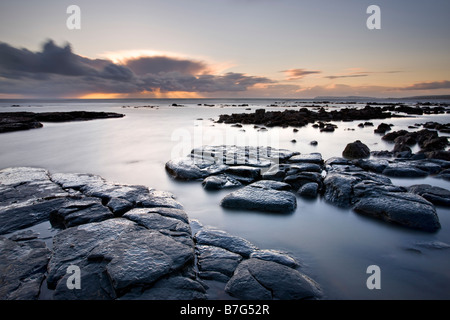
{"points": [[129, 242]]}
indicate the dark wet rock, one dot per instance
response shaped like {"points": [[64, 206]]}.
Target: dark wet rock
{"points": [[22, 268], [309, 190], [328, 128], [119, 206], [393, 135], [24, 236], [382, 154], [269, 184], [438, 154], [314, 143], [214, 160], [152, 219], [299, 179], [171, 288], [303, 116], [276, 256], [261, 199], [256, 279], [304, 167], [436, 195], [244, 174], [217, 260], [74, 212], [309, 158], [372, 165], [219, 238], [129, 254], [337, 161], [276, 172], [401, 208], [15, 121], [356, 150], [338, 189], [218, 182], [382, 128], [155, 198], [403, 170]]}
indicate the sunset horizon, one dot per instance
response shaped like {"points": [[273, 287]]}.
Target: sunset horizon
{"points": [[288, 49]]}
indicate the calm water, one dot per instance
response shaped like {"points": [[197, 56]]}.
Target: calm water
{"points": [[335, 246]]}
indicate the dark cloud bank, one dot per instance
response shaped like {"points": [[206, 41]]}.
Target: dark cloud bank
{"points": [[58, 72]]}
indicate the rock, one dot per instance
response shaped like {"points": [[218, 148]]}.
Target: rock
{"points": [[403, 170], [256, 279], [262, 199], [276, 172], [219, 238], [74, 212], [309, 158], [314, 143], [372, 165], [309, 190], [382, 154], [22, 268], [356, 150], [302, 167], [402, 208], [382, 128], [298, 180], [275, 256], [436, 195], [244, 174], [269, 184], [119, 206], [156, 198], [218, 182], [172, 288], [187, 169], [14, 121], [215, 259], [338, 189], [130, 255], [26, 214]]}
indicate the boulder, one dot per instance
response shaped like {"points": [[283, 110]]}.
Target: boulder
{"points": [[401, 208], [356, 150], [256, 279], [309, 190]]}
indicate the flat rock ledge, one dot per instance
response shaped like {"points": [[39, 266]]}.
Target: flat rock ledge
{"points": [[129, 242]]}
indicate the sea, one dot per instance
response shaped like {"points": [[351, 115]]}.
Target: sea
{"points": [[334, 246]]}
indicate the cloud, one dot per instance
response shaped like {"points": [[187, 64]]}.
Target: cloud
{"points": [[428, 85], [297, 74], [347, 76], [155, 65], [58, 72]]}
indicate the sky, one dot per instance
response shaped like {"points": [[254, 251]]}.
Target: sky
{"points": [[223, 49]]}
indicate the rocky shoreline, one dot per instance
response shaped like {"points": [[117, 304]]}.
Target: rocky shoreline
{"points": [[16, 121], [129, 242], [268, 179]]}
